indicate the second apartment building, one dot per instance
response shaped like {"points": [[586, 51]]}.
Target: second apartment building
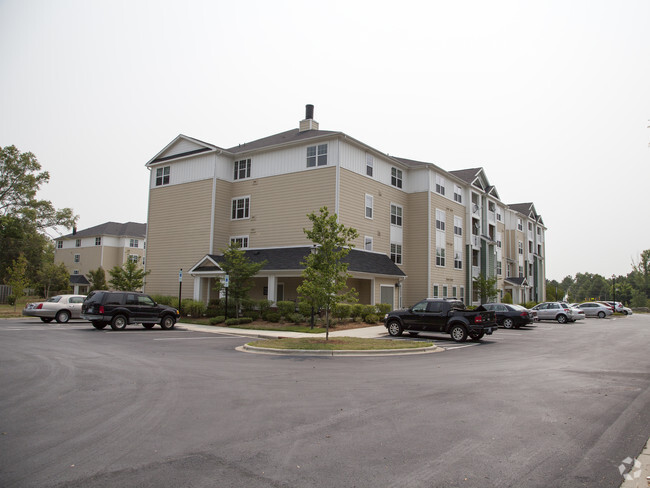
{"points": [[423, 231]]}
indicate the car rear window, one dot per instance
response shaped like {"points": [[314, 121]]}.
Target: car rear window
{"points": [[54, 299]]}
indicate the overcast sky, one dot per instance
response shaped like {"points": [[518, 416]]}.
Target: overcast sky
{"points": [[552, 98]]}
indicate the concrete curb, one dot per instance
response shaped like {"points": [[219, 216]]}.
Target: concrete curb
{"points": [[342, 352]]}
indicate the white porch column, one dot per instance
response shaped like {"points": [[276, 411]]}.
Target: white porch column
{"points": [[197, 288], [272, 286]]}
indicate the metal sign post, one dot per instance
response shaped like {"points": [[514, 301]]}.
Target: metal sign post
{"points": [[226, 282], [180, 288]]}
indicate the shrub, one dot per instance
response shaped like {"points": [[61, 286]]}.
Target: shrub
{"points": [[368, 310], [384, 308], [217, 320], [358, 320], [372, 318], [11, 300], [296, 318], [272, 316], [356, 310], [341, 310], [304, 308], [254, 315], [163, 299], [286, 308], [507, 298], [248, 304], [193, 308], [264, 306], [530, 304]]}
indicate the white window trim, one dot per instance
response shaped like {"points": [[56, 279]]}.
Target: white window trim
{"points": [[367, 239], [435, 291], [399, 255], [399, 180], [162, 176], [440, 185], [401, 216], [317, 155], [249, 207], [443, 220], [247, 169], [458, 192], [371, 207], [370, 165], [76, 258], [235, 238], [445, 291]]}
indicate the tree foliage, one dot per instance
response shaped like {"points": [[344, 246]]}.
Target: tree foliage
{"points": [[128, 277], [325, 275], [53, 278], [97, 279], [240, 271], [17, 278], [486, 287]]}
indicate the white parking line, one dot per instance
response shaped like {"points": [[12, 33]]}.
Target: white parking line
{"points": [[196, 338]]}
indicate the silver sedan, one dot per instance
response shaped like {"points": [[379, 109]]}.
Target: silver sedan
{"points": [[594, 309], [59, 307]]}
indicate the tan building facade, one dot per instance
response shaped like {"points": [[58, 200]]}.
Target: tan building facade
{"points": [[105, 245], [423, 231]]}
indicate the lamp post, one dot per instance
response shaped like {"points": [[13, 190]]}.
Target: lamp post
{"points": [[614, 290]]}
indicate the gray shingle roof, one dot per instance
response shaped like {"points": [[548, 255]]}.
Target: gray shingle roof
{"points": [[289, 258], [467, 175], [129, 229], [77, 279], [522, 208], [286, 137]]}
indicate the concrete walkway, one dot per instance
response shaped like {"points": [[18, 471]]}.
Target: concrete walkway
{"points": [[373, 332]]}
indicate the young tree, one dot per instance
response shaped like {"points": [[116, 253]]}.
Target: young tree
{"points": [[17, 278], [97, 279], [128, 277], [53, 278], [325, 275], [241, 271], [486, 287]]}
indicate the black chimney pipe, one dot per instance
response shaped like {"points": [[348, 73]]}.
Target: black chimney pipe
{"points": [[309, 111]]}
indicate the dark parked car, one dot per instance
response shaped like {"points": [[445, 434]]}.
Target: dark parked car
{"points": [[510, 315], [119, 308], [442, 315]]}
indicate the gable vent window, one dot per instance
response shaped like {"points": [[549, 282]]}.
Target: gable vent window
{"points": [[162, 176], [317, 155]]}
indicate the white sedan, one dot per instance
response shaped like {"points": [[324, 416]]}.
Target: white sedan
{"points": [[595, 309], [61, 308]]}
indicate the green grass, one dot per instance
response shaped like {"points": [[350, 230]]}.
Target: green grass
{"points": [[339, 343], [9, 311]]}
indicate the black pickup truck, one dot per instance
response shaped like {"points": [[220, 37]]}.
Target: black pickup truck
{"points": [[442, 315]]}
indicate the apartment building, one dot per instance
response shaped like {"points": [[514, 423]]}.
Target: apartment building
{"points": [[423, 231], [106, 245]]}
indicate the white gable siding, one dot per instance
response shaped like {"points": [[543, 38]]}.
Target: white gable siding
{"points": [[181, 146], [187, 170], [417, 180]]}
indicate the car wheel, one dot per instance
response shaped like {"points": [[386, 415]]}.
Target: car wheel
{"points": [[119, 322], [167, 322], [394, 328], [99, 325], [458, 333], [561, 319], [148, 326], [62, 317], [625, 312], [47, 320], [477, 336], [508, 323], [601, 315]]}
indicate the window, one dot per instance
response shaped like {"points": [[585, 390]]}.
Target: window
{"points": [[98, 241], [458, 260], [440, 185], [521, 271], [462, 293], [368, 206], [77, 243], [454, 292], [440, 219], [458, 194], [499, 215], [520, 226], [440, 256], [396, 177], [59, 244], [162, 176], [436, 292], [458, 226], [240, 208], [242, 169], [396, 253], [521, 247], [370, 164], [134, 243], [445, 291], [499, 268], [530, 247], [77, 258], [396, 215], [133, 258], [76, 272], [530, 227], [367, 243], [317, 155], [498, 240], [492, 207], [242, 241]]}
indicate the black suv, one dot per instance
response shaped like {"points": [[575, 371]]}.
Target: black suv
{"points": [[120, 308]]}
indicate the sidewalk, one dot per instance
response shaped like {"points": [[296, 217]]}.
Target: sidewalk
{"points": [[640, 475]]}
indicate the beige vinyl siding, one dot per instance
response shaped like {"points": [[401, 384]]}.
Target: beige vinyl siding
{"points": [[416, 240], [222, 208], [89, 258], [352, 209], [178, 235], [447, 275], [279, 206]]}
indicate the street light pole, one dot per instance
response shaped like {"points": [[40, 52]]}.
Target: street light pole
{"points": [[614, 290]]}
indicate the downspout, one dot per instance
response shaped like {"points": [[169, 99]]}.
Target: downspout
{"points": [[429, 233]]}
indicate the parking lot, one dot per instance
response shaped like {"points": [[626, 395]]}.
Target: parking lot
{"points": [[548, 405]]}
